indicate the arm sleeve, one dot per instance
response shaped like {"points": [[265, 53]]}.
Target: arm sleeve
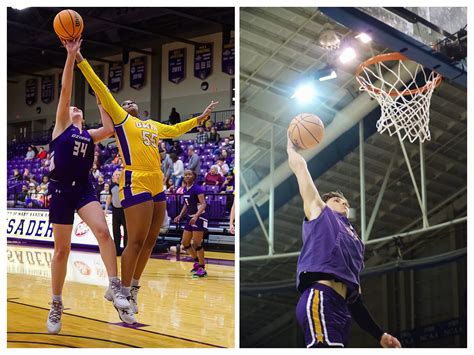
{"points": [[364, 319], [116, 112], [165, 131]]}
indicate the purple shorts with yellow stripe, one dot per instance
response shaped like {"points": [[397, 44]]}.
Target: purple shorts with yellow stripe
{"points": [[324, 317], [140, 186]]}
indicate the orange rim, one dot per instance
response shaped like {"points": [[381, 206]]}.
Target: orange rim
{"points": [[388, 57]]}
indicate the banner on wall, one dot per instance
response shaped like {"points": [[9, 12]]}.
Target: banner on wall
{"points": [[47, 89], [31, 90], [99, 70], [137, 72], [115, 77], [34, 225], [203, 60], [228, 57], [177, 65]]}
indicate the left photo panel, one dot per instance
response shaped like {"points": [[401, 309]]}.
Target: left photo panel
{"points": [[120, 177]]}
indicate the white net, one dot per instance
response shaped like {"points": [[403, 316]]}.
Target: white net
{"points": [[403, 90]]}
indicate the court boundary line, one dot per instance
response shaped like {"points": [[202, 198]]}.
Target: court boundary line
{"points": [[38, 342], [141, 330]]}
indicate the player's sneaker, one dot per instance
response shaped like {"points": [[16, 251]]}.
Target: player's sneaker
{"points": [[114, 294], [200, 272], [54, 317], [133, 298], [126, 315], [195, 267]]}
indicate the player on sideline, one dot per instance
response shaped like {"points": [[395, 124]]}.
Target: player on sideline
{"points": [[329, 266], [194, 208], [141, 189], [72, 155]]}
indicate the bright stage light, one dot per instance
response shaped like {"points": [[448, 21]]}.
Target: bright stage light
{"points": [[347, 55], [364, 37], [304, 93]]}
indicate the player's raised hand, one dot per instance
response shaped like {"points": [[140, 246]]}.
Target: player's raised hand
{"points": [[207, 112], [389, 341], [73, 46], [290, 147]]}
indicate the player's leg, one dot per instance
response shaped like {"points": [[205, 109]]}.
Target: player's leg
{"points": [[62, 248], [198, 237], [116, 230], [187, 236]]}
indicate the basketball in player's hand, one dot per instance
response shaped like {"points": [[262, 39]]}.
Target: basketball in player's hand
{"points": [[68, 25], [306, 130]]}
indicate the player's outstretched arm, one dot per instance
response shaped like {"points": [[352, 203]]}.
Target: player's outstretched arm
{"points": [[116, 112], [107, 128], [232, 218], [312, 202], [166, 131], [63, 117], [182, 213]]}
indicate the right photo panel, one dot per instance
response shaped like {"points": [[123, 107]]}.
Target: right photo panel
{"points": [[353, 177]]}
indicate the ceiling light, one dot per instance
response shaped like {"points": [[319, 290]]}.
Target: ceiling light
{"points": [[304, 93], [347, 55], [364, 37], [326, 74]]}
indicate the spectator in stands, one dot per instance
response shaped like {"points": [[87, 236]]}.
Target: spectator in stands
{"points": [[33, 180], [100, 186], [174, 116], [177, 173], [34, 149], [97, 159], [104, 194], [228, 123], [30, 154], [232, 140], [214, 137], [166, 165], [176, 148], [95, 172], [46, 161], [194, 163], [228, 184], [164, 146], [16, 175], [209, 124], [45, 183], [225, 154], [169, 186], [222, 167], [22, 195], [213, 178], [226, 144], [180, 190], [118, 216], [116, 160], [26, 174], [202, 137], [42, 153]]}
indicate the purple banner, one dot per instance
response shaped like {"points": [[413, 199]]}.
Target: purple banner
{"points": [[115, 77], [31, 91], [203, 60], [99, 70], [47, 89], [228, 57], [137, 72], [177, 65]]}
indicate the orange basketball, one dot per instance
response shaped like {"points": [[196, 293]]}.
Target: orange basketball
{"points": [[306, 130], [68, 25]]}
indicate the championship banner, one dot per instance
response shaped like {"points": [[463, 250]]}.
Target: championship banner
{"points": [[177, 65], [47, 89], [137, 72], [31, 89], [228, 57], [99, 70], [203, 60], [115, 77], [34, 225]]}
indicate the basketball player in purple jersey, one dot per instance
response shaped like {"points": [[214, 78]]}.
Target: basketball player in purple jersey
{"points": [[72, 155], [329, 266], [194, 208]]}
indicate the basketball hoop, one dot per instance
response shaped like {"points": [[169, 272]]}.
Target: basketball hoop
{"points": [[403, 89]]}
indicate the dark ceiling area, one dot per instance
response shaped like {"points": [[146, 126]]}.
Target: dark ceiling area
{"points": [[33, 46]]}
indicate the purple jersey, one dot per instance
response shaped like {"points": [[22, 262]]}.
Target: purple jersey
{"points": [[191, 198], [331, 246], [72, 156]]}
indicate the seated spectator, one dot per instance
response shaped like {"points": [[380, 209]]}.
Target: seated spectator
{"points": [[222, 167], [177, 173], [180, 190], [166, 165], [169, 186], [45, 183], [30, 154], [42, 153], [208, 124], [104, 194], [22, 195], [228, 184], [176, 148], [213, 178], [46, 161], [26, 174], [99, 186], [225, 154], [117, 160], [95, 172], [229, 123], [16, 175], [224, 145], [214, 137], [202, 137], [194, 163], [164, 146], [232, 140]]}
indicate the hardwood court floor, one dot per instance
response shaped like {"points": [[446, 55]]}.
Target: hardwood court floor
{"points": [[174, 309]]}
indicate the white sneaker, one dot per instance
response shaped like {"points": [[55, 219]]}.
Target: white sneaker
{"points": [[54, 317], [126, 315], [115, 295], [133, 298]]}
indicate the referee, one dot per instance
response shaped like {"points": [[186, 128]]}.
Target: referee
{"points": [[118, 217]]}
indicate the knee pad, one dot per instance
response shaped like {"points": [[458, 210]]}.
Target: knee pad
{"points": [[187, 246], [198, 248]]}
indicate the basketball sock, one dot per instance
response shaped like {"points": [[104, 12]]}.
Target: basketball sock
{"points": [[202, 265], [196, 259], [112, 279], [135, 282], [57, 298], [126, 291]]}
